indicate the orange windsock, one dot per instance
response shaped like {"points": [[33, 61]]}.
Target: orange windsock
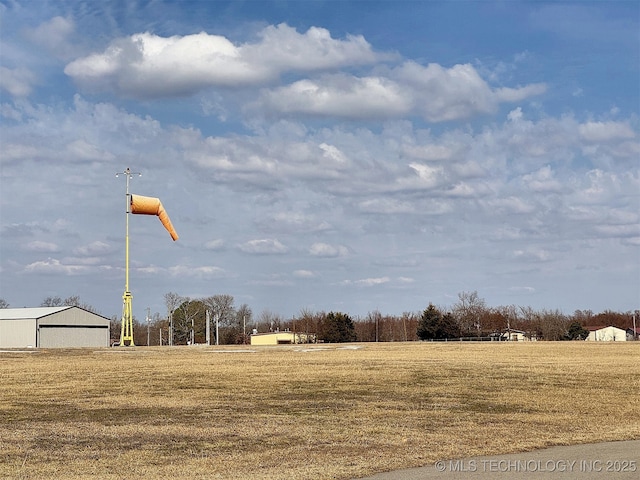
{"points": [[152, 206]]}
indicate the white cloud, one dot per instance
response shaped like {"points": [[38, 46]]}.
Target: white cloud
{"points": [[386, 206], [94, 248], [43, 247], [292, 222], [264, 246], [518, 94], [304, 274], [596, 132], [444, 94], [187, 64], [326, 250], [287, 49], [53, 266], [17, 81], [54, 36], [542, 181], [533, 254], [202, 271], [434, 92], [216, 244], [340, 96], [368, 282]]}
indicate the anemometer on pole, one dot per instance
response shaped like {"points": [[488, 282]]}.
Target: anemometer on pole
{"points": [[144, 206]]}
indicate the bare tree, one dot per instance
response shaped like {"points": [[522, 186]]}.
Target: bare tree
{"points": [[52, 302], [72, 301], [222, 305], [270, 321], [171, 301], [244, 320], [553, 324], [469, 311], [4, 303], [184, 321]]}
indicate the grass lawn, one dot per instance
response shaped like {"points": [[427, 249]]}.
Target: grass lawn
{"points": [[287, 412]]}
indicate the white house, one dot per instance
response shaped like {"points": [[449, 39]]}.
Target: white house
{"points": [[517, 336], [606, 334]]}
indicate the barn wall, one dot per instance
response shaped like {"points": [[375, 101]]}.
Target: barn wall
{"points": [[68, 337], [19, 333], [73, 317]]}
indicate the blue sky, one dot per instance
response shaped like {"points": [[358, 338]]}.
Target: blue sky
{"points": [[351, 156]]}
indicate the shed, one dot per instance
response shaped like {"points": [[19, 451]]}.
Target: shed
{"points": [[52, 327], [633, 334], [606, 334], [280, 338], [517, 336]]}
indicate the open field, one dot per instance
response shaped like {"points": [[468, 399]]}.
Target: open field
{"points": [[332, 411]]}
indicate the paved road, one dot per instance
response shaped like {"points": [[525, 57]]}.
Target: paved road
{"points": [[595, 461]]}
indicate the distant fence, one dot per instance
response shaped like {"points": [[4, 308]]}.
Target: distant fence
{"points": [[468, 339]]}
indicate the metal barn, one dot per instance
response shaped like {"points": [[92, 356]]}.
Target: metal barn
{"points": [[52, 327]]}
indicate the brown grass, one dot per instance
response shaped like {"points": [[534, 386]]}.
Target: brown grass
{"points": [[280, 412]]}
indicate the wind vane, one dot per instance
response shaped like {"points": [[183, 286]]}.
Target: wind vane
{"points": [[137, 204]]}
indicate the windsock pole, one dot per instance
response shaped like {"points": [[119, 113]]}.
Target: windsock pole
{"points": [[126, 331]]}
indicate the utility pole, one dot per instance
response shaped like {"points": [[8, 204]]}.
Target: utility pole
{"points": [[148, 326], [208, 320], [217, 322], [126, 332], [170, 329]]}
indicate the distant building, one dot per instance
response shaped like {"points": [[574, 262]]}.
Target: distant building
{"points": [[631, 335], [281, 338], [52, 327], [606, 334], [517, 336]]}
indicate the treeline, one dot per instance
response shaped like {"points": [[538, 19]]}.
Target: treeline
{"points": [[469, 317], [185, 322]]}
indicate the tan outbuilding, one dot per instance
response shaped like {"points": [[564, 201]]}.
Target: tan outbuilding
{"points": [[52, 327], [281, 338]]}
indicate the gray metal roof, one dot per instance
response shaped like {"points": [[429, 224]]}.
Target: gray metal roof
{"points": [[26, 313]]}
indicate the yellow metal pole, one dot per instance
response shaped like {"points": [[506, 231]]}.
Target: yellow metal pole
{"points": [[126, 331]]}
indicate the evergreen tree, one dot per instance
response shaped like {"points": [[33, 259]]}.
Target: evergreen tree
{"points": [[576, 332], [337, 328], [434, 325]]}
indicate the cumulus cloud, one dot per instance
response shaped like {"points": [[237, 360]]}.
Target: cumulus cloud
{"points": [[131, 66], [434, 92], [40, 246], [605, 131], [202, 271], [303, 274], [263, 246], [542, 181], [443, 94], [292, 222], [18, 82], [339, 96], [216, 244], [54, 36], [54, 266], [94, 248], [368, 282], [533, 254], [328, 251]]}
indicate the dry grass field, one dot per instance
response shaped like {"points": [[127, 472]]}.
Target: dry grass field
{"points": [[333, 411]]}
